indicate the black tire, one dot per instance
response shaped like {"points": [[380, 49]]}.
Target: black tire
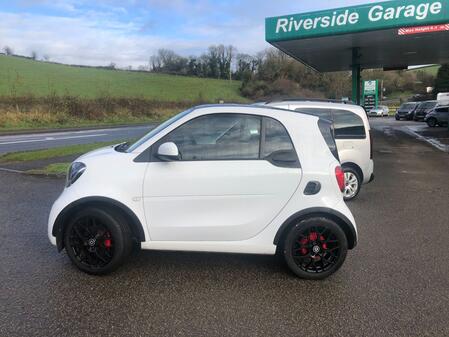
{"points": [[432, 122], [309, 262], [97, 240], [351, 189], [397, 118]]}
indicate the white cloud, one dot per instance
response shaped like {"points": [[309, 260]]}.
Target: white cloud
{"points": [[93, 40], [127, 32]]}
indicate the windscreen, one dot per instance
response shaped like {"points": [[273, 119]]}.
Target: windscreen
{"points": [[158, 129], [407, 106]]}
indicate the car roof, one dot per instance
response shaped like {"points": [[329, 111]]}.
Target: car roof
{"points": [[313, 103], [423, 102], [357, 109], [266, 109]]}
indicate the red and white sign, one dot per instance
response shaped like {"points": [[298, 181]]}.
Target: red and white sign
{"points": [[423, 29]]}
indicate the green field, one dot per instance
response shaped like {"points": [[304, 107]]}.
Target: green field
{"points": [[23, 77]]}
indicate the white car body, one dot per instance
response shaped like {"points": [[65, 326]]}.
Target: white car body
{"points": [[354, 151], [380, 111], [233, 206]]}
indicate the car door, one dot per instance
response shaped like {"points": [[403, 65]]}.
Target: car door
{"points": [[443, 115], [226, 185]]}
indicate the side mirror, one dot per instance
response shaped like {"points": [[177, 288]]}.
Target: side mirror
{"points": [[168, 152]]}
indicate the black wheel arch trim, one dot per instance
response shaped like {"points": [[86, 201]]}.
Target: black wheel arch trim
{"points": [[58, 226], [355, 167], [325, 212]]}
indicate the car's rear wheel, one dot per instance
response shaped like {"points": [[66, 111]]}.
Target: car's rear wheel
{"points": [[315, 248], [97, 240], [432, 122], [353, 184]]}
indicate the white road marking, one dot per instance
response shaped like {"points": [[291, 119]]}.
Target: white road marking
{"points": [[67, 133], [49, 139], [10, 170]]}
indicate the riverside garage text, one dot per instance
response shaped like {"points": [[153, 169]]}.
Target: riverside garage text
{"points": [[349, 17]]}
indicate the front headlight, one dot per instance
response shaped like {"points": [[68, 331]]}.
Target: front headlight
{"points": [[75, 171]]}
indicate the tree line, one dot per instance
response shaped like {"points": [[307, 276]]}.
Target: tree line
{"points": [[271, 73]]}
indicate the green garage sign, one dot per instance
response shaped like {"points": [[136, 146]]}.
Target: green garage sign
{"points": [[370, 94], [375, 16]]}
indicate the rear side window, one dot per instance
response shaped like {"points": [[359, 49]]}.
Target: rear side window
{"points": [[442, 110], [277, 146], [276, 138], [348, 125]]}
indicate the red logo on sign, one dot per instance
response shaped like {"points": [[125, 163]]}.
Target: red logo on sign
{"points": [[424, 29]]}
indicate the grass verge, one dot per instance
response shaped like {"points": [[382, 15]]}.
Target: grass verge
{"points": [[58, 169]]}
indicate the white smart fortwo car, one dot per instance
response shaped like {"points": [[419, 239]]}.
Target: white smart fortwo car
{"points": [[220, 178]]}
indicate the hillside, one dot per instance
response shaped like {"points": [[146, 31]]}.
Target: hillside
{"points": [[23, 77]]}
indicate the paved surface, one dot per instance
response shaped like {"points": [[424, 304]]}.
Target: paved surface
{"points": [[437, 137], [395, 283], [56, 139]]}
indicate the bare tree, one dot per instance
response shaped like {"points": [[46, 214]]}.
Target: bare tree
{"points": [[46, 57], [34, 55]]}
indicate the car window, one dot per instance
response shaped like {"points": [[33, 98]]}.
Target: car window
{"points": [[407, 106], [348, 125], [218, 137], [276, 138], [444, 110], [319, 112]]}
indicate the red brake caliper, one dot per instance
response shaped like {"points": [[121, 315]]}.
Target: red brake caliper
{"points": [[108, 241], [324, 244], [303, 242]]}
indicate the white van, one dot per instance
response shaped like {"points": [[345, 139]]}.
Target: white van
{"points": [[352, 135], [443, 98]]}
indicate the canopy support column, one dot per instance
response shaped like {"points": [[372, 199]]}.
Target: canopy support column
{"points": [[356, 76]]}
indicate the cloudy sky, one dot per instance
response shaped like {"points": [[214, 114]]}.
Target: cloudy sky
{"points": [[127, 32]]}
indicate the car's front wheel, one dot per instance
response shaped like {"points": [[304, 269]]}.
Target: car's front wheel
{"points": [[97, 240], [432, 122], [353, 184], [315, 248]]}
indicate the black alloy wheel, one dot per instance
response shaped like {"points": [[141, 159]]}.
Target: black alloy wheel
{"points": [[315, 248], [97, 241]]}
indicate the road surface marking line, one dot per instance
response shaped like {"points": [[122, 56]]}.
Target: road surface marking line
{"points": [[51, 140], [10, 170]]}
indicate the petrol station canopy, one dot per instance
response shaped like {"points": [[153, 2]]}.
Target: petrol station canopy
{"points": [[389, 35]]}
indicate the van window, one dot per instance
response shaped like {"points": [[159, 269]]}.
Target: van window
{"points": [[319, 112], [348, 125]]}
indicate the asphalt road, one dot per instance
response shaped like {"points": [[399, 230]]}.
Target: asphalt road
{"points": [[395, 283], [37, 141]]}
